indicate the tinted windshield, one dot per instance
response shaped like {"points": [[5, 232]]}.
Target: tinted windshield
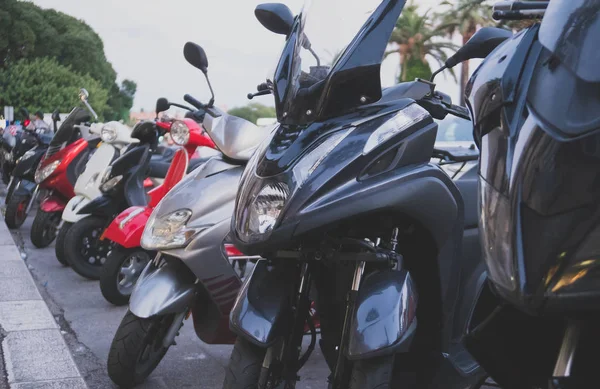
{"points": [[571, 30], [454, 130], [67, 133], [331, 60]]}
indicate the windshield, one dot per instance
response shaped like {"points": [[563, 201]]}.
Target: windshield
{"points": [[331, 60], [571, 29], [67, 133], [454, 131]]}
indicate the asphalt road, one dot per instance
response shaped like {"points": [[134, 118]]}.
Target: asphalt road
{"points": [[89, 322]]}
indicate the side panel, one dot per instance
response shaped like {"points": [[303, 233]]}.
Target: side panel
{"points": [[261, 304], [164, 290], [385, 319], [105, 206], [95, 168], [127, 228]]}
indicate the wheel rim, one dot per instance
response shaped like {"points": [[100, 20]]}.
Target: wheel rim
{"points": [[152, 349], [51, 227], [130, 271], [21, 208], [93, 250]]}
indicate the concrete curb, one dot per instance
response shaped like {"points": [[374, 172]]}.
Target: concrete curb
{"points": [[36, 355]]}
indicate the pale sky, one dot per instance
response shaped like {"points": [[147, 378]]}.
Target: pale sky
{"points": [[143, 39]]}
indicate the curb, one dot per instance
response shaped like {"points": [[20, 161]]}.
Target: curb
{"points": [[35, 353]]}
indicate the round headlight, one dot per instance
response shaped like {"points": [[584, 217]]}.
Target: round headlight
{"points": [[180, 133], [108, 134]]}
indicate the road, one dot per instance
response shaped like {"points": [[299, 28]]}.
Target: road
{"points": [[89, 322]]}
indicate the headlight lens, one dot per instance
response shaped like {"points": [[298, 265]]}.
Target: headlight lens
{"points": [[44, 172], [110, 184], [28, 154], [168, 231], [400, 122], [108, 133], [180, 133]]}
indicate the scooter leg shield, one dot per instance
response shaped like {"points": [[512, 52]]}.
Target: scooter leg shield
{"points": [[261, 304], [163, 290], [127, 228], [70, 214], [385, 318]]}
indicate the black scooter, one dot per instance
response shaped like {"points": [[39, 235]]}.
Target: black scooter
{"points": [[348, 211]]}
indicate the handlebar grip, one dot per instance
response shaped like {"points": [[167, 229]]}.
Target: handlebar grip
{"points": [[190, 99], [262, 87]]}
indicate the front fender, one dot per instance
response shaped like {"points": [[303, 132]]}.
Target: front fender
{"points": [[127, 228], [53, 203], [24, 188], [71, 213], [385, 319], [103, 206], [163, 290], [261, 304]]}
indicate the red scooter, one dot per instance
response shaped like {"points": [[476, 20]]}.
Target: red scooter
{"points": [[127, 258], [57, 173]]}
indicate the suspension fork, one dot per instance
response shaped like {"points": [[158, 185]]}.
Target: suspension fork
{"points": [[564, 363]]}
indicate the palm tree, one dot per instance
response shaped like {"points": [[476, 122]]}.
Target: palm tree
{"points": [[465, 17], [418, 38]]}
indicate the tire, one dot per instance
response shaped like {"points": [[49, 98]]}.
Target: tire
{"points": [[244, 367], [15, 211], [373, 373], [129, 345], [9, 191], [44, 228], [84, 252], [116, 285], [59, 248]]}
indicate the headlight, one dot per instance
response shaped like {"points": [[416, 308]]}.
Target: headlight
{"points": [[108, 185], [44, 172], [400, 122], [180, 133], [168, 231], [262, 210], [108, 133]]}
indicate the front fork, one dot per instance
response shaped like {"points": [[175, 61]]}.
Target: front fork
{"points": [[561, 377], [36, 191]]}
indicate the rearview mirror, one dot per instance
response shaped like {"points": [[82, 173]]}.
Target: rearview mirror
{"points": [[196, 56], [83, 94], [56, 116], [481, 44], [162, 105], [275, 17]]}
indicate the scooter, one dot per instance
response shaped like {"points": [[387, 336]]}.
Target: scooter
{"points": [[115, 137], [64, 161], [192, 272], [86, 250], [127, 259]]}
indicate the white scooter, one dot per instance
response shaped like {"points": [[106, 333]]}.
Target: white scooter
{"points": [[115, 137]]}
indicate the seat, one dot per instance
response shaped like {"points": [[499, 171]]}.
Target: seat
{"points": [[467, 184]]}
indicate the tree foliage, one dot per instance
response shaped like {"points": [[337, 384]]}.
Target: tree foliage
{"points": [[43, 84], [253, 111], [29, 32]]}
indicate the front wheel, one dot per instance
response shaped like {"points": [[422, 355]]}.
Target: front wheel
{"points": [[245, 365], [16, 210], [84, 250], [44, 228], [59, 248], [137, 348], [120, 273], [372, 373]]}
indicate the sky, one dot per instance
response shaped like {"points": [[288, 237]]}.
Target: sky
{"points": [[143, 39]]}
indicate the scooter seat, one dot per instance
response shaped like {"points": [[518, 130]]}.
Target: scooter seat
{"points": [[164, 154], [159, 168], [467, 184]]}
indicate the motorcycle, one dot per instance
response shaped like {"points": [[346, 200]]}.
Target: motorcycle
{"points": [[192, 273], [127, 259], [345, 206], [57, 172], [115, 137], [16, 140], [85, 247], [535, 323]]}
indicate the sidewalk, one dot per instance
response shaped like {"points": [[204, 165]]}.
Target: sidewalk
{"points": [[34, 354]]}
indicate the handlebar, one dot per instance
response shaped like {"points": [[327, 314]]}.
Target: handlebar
{"points": [[259, 93], [192, 100], [519, 10]]}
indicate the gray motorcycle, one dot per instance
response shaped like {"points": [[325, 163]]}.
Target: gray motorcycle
{"points": [[192, 273]]}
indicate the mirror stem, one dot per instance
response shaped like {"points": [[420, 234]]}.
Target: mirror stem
{"points": [[212, 98], [89, 107], [437, 72], [315, 55]]}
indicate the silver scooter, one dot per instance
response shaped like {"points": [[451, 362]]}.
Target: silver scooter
{"points": [[192, 272]]}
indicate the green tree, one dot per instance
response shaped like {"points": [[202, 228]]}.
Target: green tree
{"points": [[29, 32], [418, 38], [465, 17], [43, 84], [253, 111]]}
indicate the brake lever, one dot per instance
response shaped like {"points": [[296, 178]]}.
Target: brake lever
{"points": [[259, 93], [458, 111]]}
